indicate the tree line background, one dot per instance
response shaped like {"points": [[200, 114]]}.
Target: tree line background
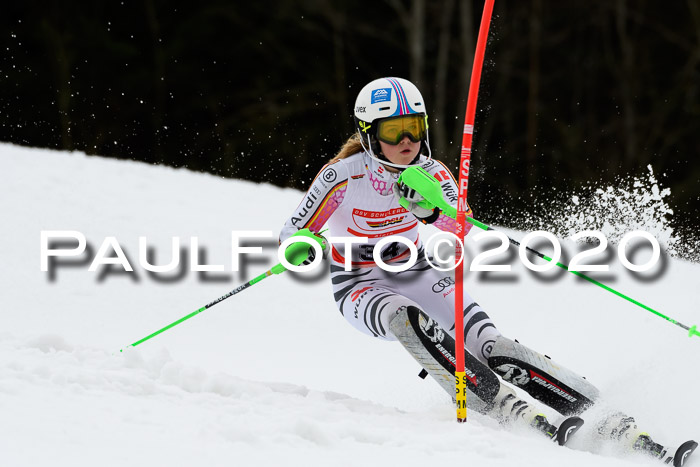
{"points": [[572, 92]]}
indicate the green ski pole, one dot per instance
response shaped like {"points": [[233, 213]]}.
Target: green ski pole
{"points": [[420, 180], [295, 254]]}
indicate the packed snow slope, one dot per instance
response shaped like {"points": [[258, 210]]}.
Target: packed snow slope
{"points": [[274, 375]]}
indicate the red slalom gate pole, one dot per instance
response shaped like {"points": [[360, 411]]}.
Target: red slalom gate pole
{"points": [[465, 161]]}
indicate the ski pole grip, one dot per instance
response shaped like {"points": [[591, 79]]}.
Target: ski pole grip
{"points": [[693, 331], [298, 252]]}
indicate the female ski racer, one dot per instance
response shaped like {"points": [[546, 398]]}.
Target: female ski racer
{"points": [[356, 193]]}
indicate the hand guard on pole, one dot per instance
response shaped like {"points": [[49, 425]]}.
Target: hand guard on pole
{"points": [[312, 251]]}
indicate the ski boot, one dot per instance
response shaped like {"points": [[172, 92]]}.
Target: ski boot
{"points": [[623, 429], [561, 433], [645, 444], [512, 408]]}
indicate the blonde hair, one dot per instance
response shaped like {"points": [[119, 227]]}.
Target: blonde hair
{"points": [[352, 146]]}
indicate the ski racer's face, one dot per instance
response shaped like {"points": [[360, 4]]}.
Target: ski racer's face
{"points": [[402, 153]]}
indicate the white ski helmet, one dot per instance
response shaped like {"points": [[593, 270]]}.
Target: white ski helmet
{"points": [[387, 98]]}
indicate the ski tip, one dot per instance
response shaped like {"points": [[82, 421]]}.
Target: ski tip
{"points": [[567, 428], [683, 452]]}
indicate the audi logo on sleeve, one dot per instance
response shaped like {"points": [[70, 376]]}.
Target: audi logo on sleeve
{"points": [[443, 284]]}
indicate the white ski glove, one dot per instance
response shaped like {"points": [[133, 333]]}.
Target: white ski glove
{"points": [[414, 203]]}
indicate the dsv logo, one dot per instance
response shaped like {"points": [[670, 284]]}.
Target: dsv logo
{"points": [[442, 284]]}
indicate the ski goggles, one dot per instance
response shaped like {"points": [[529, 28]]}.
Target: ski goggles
{"points": [[392, 130]]}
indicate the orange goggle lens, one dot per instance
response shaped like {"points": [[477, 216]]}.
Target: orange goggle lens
{"points": [[392, 130]]}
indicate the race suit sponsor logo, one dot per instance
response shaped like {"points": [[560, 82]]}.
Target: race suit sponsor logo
{"points": [[306, 207], [487, 348], [357, 297], [378, 220], [441, 176], [443, 284], [449, 192], [384, 223], [330, 175], [356, 294]]}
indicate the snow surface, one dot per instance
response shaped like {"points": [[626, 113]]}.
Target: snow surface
{"points": [[274, 376]]}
